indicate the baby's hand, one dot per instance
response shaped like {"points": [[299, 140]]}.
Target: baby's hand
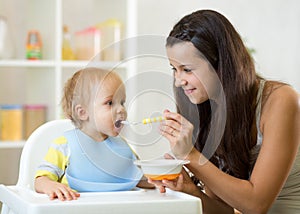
{"points": [[55, 189], [62, 192]]}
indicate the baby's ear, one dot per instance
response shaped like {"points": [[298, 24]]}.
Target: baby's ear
{"points": [[81, 112]]}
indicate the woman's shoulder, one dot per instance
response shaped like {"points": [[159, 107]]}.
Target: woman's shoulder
{"points": [[279, 98], [277, 92]]}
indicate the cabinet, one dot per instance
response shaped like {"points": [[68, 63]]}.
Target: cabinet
{"points": [[41, 81]]}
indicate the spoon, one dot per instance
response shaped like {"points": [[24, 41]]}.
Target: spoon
{"points": [[118, 123]]}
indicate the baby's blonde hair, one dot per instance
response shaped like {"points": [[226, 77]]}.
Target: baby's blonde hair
{"points": [[81, 88]]}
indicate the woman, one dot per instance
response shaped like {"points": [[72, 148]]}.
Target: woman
{"points": [[245, 154]]}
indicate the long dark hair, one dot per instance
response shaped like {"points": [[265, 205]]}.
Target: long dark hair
{"points": [[220, 44]]}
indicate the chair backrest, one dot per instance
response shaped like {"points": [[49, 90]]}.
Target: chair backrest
{"points": [[36, 147]]}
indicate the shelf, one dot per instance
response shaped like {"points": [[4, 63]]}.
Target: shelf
{"points": [[64, 64], [82, 64], [27, 63], [11, 144]]}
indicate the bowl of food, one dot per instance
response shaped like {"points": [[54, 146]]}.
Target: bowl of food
{"points": [[161, 169]]}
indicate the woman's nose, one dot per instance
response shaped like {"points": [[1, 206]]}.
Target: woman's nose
{"points": [[180, 81]]}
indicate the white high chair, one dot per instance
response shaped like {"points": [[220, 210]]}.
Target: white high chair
{"points": [[22, 199], [33, 152]]}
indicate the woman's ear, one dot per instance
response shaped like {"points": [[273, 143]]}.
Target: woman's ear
{"points": [[81, 112]]}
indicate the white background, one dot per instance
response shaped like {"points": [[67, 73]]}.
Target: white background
{"points": [[271, 27]]}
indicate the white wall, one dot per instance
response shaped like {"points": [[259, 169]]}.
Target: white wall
{"points": [[271, 27]]}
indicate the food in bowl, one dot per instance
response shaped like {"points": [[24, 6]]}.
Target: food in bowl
{"points": [[161, 169]]}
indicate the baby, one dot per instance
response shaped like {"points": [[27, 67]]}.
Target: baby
{"points": [[91, 157]]}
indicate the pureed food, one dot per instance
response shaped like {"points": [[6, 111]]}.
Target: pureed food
{"points": [[163, 177]]}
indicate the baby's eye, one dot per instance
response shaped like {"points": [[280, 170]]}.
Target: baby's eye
{"points": [[173, 69], [123, 102], [109, 103]]}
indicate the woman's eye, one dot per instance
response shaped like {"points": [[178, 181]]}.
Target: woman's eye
{"points": [[173, 69], [187, 70]]}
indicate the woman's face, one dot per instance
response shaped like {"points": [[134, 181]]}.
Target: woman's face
{"points": [[106, 108], [191, 72]]}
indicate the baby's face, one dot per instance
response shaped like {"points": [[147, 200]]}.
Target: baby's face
{"points": [[107, 108]]}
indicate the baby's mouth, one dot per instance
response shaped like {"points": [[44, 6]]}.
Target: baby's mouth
{"points": [[118, 124]]}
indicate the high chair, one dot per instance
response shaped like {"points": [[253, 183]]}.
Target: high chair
{"points": [[33, 152], [22, 199]]}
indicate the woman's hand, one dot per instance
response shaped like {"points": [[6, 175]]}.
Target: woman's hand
{"points": [[55, 189], [179, 132], [183, 184]]}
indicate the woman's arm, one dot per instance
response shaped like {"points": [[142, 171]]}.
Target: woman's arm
{"points": [[210, 203], [213, 204], [280, 125]]}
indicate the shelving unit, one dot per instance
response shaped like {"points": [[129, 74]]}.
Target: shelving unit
{"points": [[41, 82]]}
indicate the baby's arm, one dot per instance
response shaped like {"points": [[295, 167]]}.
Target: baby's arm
{"points": [[49, 177], [54, 189]]}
